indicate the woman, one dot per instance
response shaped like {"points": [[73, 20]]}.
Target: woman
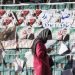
{"points": [[41, 59]]}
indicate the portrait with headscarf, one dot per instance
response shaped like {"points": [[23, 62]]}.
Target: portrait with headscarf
{"points": [[40, 58]]}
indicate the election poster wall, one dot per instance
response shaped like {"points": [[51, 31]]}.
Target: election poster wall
{"points": [[25, 25]]}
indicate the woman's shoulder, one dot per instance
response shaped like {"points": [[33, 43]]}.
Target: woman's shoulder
{"points": [[40, 44]]}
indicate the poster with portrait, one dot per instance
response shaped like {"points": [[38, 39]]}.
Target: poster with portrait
{"points": [[25, 32], [8, 37]]}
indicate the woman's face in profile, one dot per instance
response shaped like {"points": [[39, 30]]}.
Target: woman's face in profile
{"points": [[49, 37]]}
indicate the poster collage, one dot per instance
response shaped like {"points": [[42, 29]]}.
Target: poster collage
{"points": [[19, 28], [25, 25]]}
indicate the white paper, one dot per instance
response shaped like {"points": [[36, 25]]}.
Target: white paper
{"points": [[49, 43], [29, 57], [73, 50], [63, 48], [3, 54]]}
